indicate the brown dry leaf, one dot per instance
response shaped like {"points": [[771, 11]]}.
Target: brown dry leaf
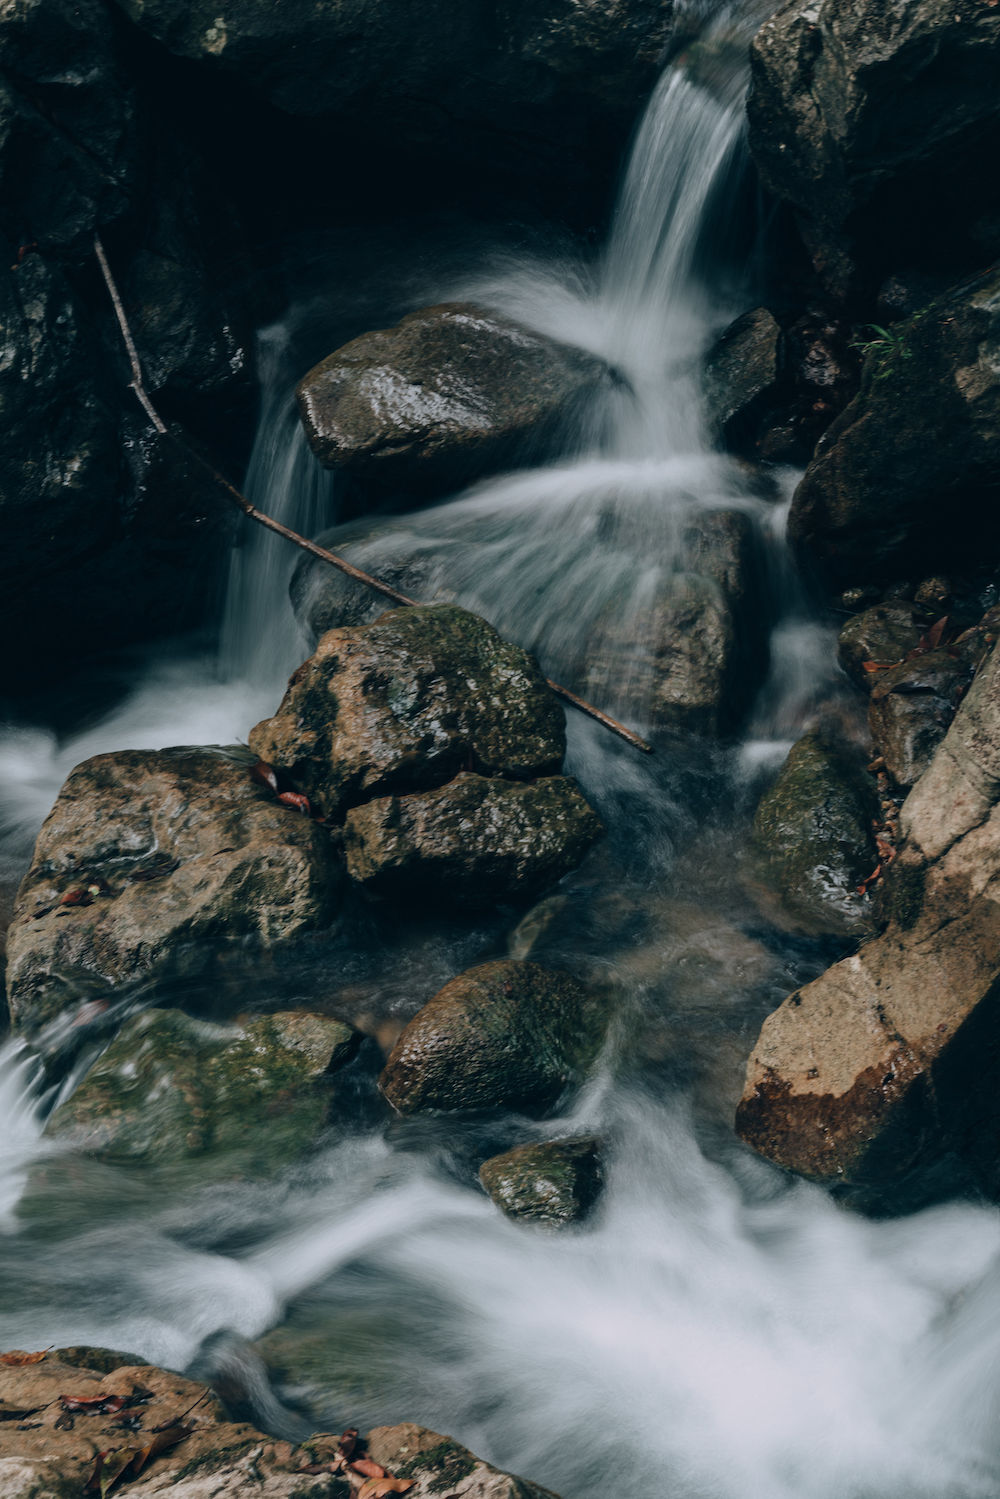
{"points": [[94, 1405], [17, 1357], [877, 665], [162, 1442], [369, 1469], [376, 1487], [265, 775], [76, 897], [296, 800], [108, 1469]]}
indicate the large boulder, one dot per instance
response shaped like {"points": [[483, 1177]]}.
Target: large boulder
{"points": [[151, 864], [696, 652], [405, 703], [172, 1090], [879, 124], [906, 479], [450, 394], [191, 1448], [478, 841], [504, 1035], [911, 707], [741, 375], [813, 828], [555, 1183], [881, 1067], [544, 94]]}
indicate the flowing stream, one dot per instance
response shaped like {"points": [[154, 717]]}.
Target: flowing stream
{"points": [[715, 1331]]}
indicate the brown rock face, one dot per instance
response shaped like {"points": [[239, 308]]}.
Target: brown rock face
{"points": [[146, 864], [405, 703], [450, 394], [885, 1063], [502, 1035], [440, 1466], [554, 1183]]}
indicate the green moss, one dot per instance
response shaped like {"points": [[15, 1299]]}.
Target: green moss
{"points": [[447, 1464]]}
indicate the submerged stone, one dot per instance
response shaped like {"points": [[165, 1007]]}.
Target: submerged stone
{"points": [[171, 1088], [504, 1035], [554, 1183]]}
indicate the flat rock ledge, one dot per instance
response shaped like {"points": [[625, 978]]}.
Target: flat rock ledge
{"points": [[47, 1453], [880, 1074]]}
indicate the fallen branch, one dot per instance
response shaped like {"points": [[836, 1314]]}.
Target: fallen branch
{"points": [[312, 547]]}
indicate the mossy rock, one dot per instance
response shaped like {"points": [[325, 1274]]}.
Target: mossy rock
{"points": [[504, 1035], [554, 1183], [168, 1088], [813, 828]]}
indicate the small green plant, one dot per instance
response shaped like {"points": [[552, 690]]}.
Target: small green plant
{"points": [[885, 341]]}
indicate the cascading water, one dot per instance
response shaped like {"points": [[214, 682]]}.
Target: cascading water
{"points": [[714, 1333]]}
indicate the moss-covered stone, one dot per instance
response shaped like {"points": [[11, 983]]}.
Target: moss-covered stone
{"points": [[554, 1183], [170, 1087], [475, 842], [405, 703], [503, 1035], [813, 828]]}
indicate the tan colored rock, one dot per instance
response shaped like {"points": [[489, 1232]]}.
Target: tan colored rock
{"points": [[48, 1455], [883, 1064], [168, 855]]}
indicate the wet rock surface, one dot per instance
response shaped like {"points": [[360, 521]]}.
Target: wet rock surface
{"points": [[877, 125], [540, 96], [171, 1088], [554, 1183], [881, 636], [52, 1454], [151, 862], [696, 652], [407, 702], [503, 1035], [813, 829], [451, 394], [911, 708], [742, 371], [878, 1071], [919, 442], [474, 842]]}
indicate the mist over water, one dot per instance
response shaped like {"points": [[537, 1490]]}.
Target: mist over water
{"points": [[715, 1332]]}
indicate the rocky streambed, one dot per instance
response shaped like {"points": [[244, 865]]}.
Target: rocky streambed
{"points": [[376, 1056]]}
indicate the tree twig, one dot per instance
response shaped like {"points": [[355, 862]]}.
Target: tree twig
{"points": [[313, 548]]}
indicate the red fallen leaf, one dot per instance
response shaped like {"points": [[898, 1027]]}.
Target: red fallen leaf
{"points": [[376, 1487], [17, 1357], [877, 665], [94, 1405], [78, 896], [365, 1466], [932, 638], [875, 875], [265, 775], [297, 800]]}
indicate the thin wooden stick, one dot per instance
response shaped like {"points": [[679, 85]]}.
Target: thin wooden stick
{"points": [[313, 548]]}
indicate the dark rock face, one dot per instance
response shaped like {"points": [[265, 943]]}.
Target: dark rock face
{"points": [[920, 442], [148, 863], [405, 703], [546, 94], [556, 1183], [474, 842], [881, 635], [449, 395], [741, 376], [912, 706], [814, 830], [325, 599], [696, 656], [879, 124], [170, 1088], [884, 1064], [504, 1035]]}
